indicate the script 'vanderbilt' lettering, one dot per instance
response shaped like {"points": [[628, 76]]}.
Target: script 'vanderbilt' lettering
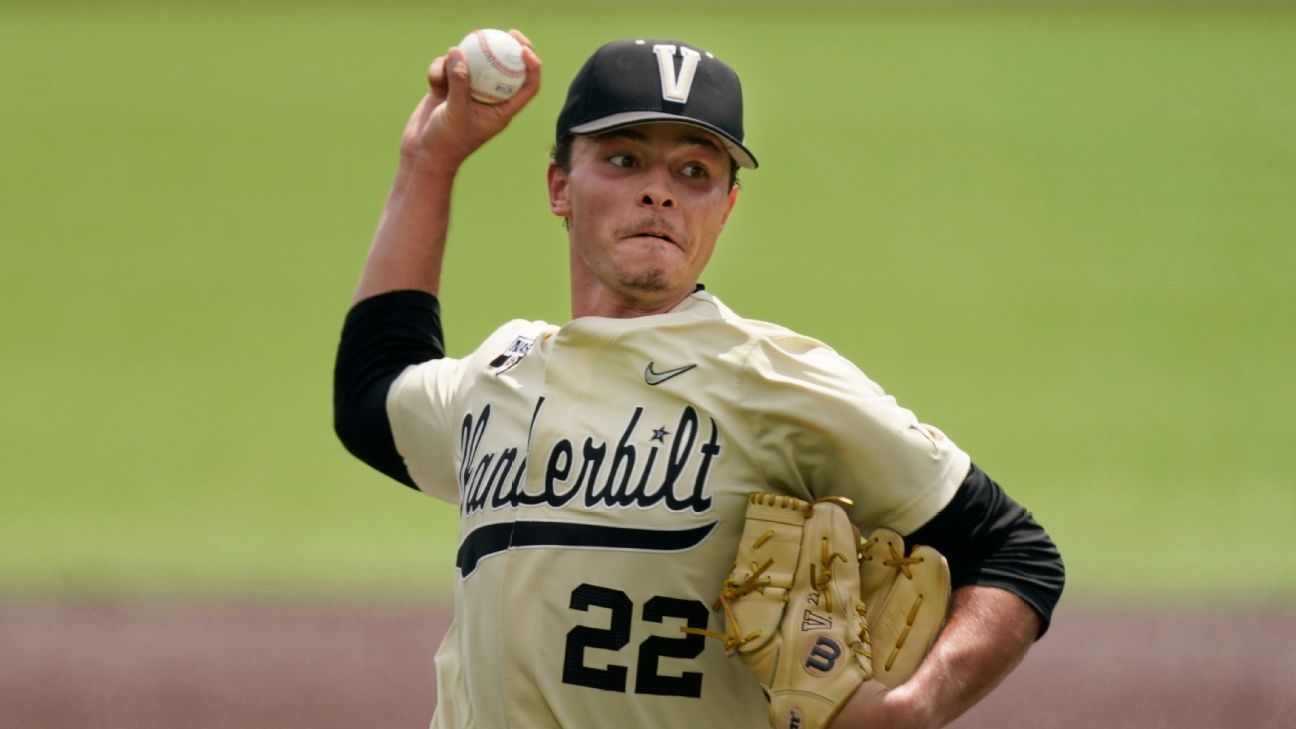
{"points": [[619, 475]]}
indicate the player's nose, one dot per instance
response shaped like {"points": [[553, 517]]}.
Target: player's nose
{"points": [[655, 192]]}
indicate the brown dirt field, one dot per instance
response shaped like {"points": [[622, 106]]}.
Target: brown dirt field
{"points": [[154, 665]]}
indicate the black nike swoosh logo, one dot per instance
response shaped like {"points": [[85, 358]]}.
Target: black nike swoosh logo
{"points": [[656, 378], [490, 539]]}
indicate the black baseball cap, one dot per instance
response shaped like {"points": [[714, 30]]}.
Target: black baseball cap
{"points": [[630, 82]]}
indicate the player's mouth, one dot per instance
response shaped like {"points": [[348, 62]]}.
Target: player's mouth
{"points": [[658, 233], [660, 236]]}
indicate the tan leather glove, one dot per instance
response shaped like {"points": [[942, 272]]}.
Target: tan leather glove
{"points": [[814, 611]]}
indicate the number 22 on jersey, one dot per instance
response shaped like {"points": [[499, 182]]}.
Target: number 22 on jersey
{"points": [[615, 636]]}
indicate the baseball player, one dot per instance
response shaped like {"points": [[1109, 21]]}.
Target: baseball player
{"points": [[601, 466]]}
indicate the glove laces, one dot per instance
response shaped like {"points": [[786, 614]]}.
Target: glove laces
{"points": [[757, 581], [896, 559], [822, 578]]}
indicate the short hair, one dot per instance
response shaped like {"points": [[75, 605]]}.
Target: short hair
{"points": [[561, 157]]}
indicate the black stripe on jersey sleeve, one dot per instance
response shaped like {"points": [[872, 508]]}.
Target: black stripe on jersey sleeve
{"points": [[989, 539], [382, 335]]}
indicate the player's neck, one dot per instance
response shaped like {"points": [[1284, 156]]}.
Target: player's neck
{"points": [[593, 298]]}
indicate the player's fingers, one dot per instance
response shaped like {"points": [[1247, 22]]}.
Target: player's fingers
{"points": [[436, 77], [520, 37], [532, 83], [459, 83]]}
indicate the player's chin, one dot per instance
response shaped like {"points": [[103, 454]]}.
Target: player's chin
{"points": [[652, 281], [652, 260]]}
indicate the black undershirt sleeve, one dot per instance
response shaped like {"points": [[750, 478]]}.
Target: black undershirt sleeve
{"points": [[989, 539], [382, 335]]}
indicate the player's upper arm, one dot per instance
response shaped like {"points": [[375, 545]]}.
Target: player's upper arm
{"points": [[990, 539], [420, 408], [427, 403], [823, 424], [381, 337]]}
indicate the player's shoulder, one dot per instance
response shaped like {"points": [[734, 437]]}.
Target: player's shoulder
{"points": [[769, 335], [514, 334], [720, 312], [774, 351]]}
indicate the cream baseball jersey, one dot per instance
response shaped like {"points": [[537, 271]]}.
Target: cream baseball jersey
{"points": [[601, 471]]}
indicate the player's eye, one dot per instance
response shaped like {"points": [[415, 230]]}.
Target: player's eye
{"points": [[622, 160], [694, 172]]}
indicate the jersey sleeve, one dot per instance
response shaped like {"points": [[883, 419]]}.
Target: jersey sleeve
{"points": [[420, 408], [824, 427], [427, 403]]}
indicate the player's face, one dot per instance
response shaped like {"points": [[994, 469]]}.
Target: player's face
{"points": [[644, 207]]}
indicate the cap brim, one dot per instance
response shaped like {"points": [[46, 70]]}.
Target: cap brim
{"points": [[741, 155]]}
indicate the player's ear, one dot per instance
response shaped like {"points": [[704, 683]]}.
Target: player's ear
{"points": [[559, 203], [733, 198]]}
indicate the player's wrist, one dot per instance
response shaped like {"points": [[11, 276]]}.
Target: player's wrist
{"points": [[875, 705], [433, 165], [911, 709]]}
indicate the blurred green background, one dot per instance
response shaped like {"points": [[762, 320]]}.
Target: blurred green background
{"points": [[1064, 235]]}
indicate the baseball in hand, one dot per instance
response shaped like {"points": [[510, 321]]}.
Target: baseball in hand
{"points": [[495, 64]]}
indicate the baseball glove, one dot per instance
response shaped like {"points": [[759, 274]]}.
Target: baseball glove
{"points": [[814, 611]]}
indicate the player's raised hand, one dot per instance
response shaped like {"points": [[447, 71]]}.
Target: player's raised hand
{"points": [[448, 125]]}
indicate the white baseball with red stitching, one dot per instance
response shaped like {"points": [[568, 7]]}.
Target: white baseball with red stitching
{"points": [[495, 65]]}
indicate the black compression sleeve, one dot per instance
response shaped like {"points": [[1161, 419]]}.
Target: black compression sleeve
{"points": [[989, 539], [382, 336]]}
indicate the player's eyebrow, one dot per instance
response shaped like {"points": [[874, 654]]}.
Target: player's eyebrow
{"points": [[701, 141]]}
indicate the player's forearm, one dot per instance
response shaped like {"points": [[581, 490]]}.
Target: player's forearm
{"points": [[987, 636], [988, 633], [409, 244]]}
